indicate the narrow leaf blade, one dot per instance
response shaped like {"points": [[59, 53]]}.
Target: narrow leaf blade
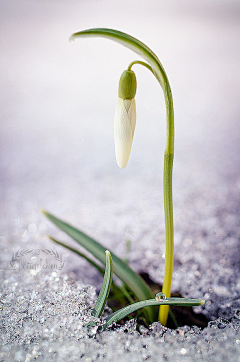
{"points": [[130, 42], [100, 269], [120, 268], [104, 292], [122, 313]]}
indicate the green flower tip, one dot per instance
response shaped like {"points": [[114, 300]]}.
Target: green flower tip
{"points": [[127, 85]]}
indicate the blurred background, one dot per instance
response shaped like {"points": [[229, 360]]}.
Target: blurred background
{"points": [[57, 105]]}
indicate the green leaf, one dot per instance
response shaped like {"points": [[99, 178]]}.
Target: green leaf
{"points": [[126, 293], [100, 269], [120, 268], [144, 51], [130, 42], [120, 288], [104, 292], [160, 74], [122, 313]]}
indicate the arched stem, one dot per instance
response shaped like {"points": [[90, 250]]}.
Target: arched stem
{"points": [[168, 210], [141, 63], [157, 69]]}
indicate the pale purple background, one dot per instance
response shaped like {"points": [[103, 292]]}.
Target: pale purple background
{"points": [[57, 151]]}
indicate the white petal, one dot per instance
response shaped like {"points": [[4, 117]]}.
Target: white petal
{"points": [[124, 126]]}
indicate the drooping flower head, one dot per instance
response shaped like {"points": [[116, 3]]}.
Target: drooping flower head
{"points": [[125, 117]]}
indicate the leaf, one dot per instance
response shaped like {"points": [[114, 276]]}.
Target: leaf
{"points": [[156, 67], [122, 313], [130, 42], [143, 50], [121, 288], [126, 293], [104, 292], [120, 269], [100, 269]]}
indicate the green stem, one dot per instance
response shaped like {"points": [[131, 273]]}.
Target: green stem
{"points": [[157, 69], [168, 205], [169, 256], [141, 63], [167, 189]]}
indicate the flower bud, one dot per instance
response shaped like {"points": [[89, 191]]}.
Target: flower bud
{"points": [[125, 117], [127, 85]]}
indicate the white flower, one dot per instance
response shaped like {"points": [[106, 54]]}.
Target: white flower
{"points": [[124, 126]]}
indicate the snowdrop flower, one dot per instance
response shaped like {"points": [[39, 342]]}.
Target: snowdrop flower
{"points": [[125, 117]]}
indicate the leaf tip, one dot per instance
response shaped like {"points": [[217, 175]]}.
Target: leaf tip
{"points": [[44, 212], [72, 38]]}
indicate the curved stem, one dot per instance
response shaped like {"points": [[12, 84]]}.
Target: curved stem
{"points": [[157, 69], [141, 63], [168, 211]]}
